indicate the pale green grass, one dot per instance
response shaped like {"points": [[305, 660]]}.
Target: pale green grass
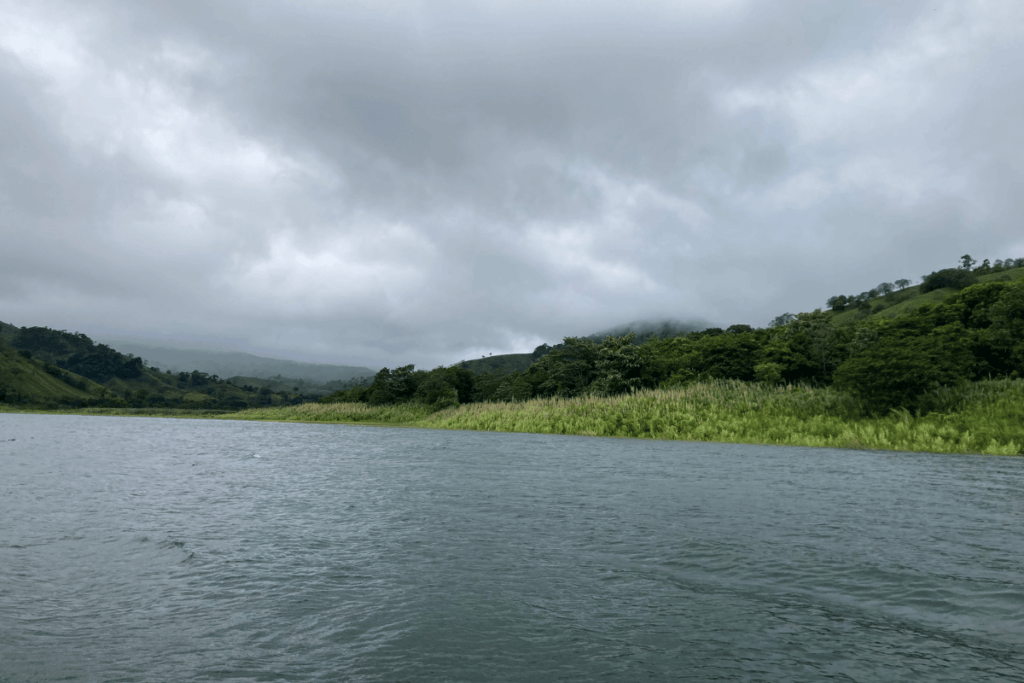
{"points": [[914, 299], [1011, 274], [400, 414], [986, 417]]}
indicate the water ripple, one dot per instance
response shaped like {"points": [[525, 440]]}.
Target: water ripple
{"points": [[152, 549]]}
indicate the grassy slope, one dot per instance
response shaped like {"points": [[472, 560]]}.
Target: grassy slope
{"points": [[911, 298], [987, 417], [28, 379]]}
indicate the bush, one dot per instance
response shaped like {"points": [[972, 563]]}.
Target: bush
{"points": [[954, 278], [768, 373], [896, 370]]}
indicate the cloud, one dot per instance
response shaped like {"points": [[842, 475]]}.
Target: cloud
{"points": [[430, 181]]}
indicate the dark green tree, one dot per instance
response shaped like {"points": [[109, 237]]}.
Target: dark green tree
{"points": [[568, 369], [622, 366], [901, 365], [393, 386], [954, 278], [783, 319]]}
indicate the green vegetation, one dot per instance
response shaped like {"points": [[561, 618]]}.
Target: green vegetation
{"points": [[49, 369], [986, 417], [935, 367], [883, 367], [499, 365], [23, 380]]}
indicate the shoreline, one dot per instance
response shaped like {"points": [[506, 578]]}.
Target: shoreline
{"points": [[986, 418]]}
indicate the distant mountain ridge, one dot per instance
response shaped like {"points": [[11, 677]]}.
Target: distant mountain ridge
{"points": [[237, 363]]}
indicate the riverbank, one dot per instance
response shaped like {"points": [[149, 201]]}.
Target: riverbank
{"points": [[983, 417]]}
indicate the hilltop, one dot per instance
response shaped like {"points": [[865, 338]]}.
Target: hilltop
{"points": [[905, 301]]}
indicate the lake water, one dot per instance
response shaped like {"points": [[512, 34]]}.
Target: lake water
{"points": [[139, 549]]}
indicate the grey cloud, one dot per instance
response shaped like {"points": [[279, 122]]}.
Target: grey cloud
{"points": [[414, 183]]}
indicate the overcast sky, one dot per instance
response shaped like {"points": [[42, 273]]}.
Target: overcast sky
{"points": [[381, 183]]}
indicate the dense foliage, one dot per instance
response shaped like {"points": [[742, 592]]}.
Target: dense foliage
{"points": [[884, 363], [954, 278], [982, 417]]}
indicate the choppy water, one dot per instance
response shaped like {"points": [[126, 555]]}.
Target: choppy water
{"points": [[137, 549]]}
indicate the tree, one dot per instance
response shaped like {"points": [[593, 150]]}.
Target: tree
{"points": [[726, 356], [622, 366], [837, 303], [568, 369], [885, 288], [902, 283], [540, 351], [782, 320], [899, 367], [436, 391], [954, 278], [806, 350], [130, 369], [393, 386], [768, 373], [966, 262], [513, 387]]}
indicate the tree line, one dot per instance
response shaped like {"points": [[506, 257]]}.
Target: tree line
{"points": [[61, 353], [976, 333], [965, 275]]}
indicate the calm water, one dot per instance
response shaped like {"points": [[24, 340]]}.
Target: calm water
{"points": [[135, 549]]}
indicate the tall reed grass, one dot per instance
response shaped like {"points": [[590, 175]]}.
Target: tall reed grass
{"points": [[984, 417]]}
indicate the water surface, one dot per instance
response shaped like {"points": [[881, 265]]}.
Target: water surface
{"points": [[144, 549]]}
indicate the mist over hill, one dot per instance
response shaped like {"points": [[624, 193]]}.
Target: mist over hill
{"points": [[236, 363], [646, 329]]}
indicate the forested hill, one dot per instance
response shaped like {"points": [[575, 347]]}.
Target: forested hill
{"points": [[641, 330], [884, 300], [47, 368], [893, 346]]}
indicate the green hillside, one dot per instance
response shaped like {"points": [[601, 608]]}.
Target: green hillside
{"points": [[40, 367], [905, 301], [24, 380]]}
